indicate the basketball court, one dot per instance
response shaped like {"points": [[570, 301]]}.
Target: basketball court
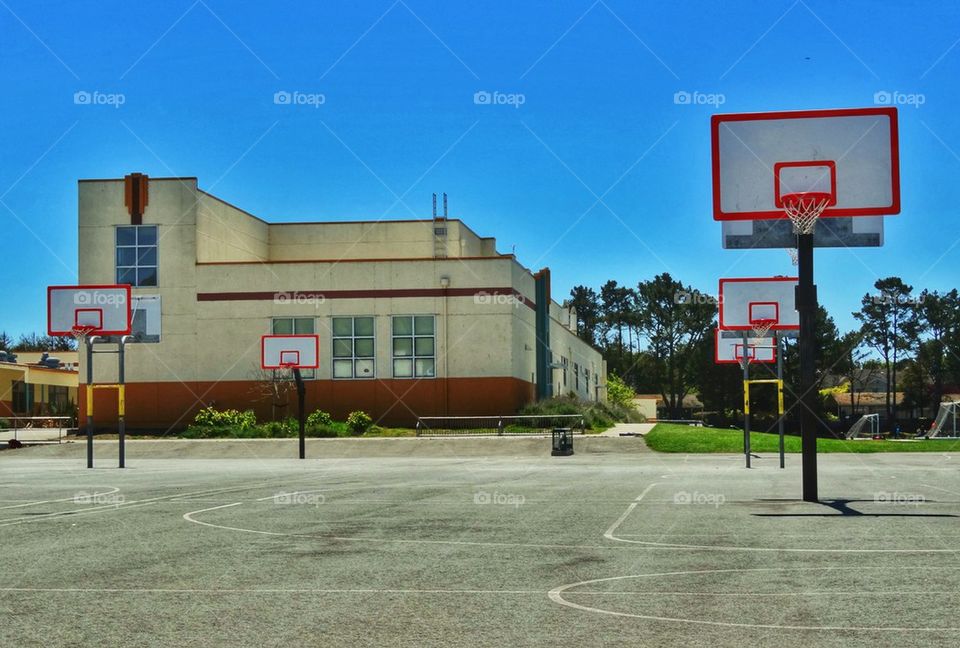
{"points": [[452, 543]]}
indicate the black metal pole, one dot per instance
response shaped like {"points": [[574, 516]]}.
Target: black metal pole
{"points": [[121, 401], [301, 392], [89, 402], [807, 310]]}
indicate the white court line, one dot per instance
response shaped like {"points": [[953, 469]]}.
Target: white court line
{"points": [[277, 590], [609, 535], [556, 595], [65, 499]]}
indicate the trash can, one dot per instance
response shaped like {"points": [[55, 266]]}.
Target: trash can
{"points": [[562, 442]]}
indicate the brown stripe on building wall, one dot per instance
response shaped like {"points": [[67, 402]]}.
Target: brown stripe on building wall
{"points": [[365, 294], [135, 196], [173, 405]]}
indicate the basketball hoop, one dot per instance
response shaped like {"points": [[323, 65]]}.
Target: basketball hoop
{"points": [[81, 333], [803, 209], [794, 255], [762, 327]]}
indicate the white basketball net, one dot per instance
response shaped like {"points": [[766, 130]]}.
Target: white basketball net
{"points": [[794, 255], [80, 334], [762, 327], [803, 210]]}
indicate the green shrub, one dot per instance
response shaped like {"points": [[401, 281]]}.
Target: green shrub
{"points": [[4, 423], [596, 416], [359, 422], [210, 417], [319, 417], [619, 392]]}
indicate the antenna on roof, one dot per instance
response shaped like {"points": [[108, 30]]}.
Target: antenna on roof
{"points": [[444, 204], [434, 205]]}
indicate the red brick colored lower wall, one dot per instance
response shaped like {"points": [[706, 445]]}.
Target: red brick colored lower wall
{"points": [[6, 408], [163, 405]]}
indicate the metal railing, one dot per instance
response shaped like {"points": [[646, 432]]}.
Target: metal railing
{"points": [[515, 425], [17, 426]]}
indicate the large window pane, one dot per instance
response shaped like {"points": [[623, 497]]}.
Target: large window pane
{"points": [[341, 348], [364, 368], [126, 256], [146, 277], [303, 326], [403, 368], [363, 326], [147, 235], [343, 368], [127, 276], [283, 326], [402, 325], [424, 325], [425, 368], [146, 256], [342, 326], [126, 236], [403, 346], [424, 346], [363, 348]]}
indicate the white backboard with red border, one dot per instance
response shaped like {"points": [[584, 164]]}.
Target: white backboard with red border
{"points": [[290, 351], [92, 309], [748, 302], [852, 155], [732, 350]]}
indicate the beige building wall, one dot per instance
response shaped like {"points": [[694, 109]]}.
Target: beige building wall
{"points": [[224, 274]]}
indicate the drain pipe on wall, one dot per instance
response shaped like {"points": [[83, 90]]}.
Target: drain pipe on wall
{"points": [[445, 284]]}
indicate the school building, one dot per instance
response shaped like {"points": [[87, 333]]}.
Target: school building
{"points": [[28, 388], [415, 317]]}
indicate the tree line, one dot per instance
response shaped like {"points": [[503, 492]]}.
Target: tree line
{"points": [[658, 337], [35, 342]]}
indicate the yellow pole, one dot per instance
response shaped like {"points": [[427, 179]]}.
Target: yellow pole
{"points": [[746, 396], [121, 407], [89, 400], [780, 397]]}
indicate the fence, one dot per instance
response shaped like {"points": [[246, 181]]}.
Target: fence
{"points": [[498, 425], [36, 433]]}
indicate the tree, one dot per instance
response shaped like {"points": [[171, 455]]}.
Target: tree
{"points": [[6, 342], [587, 305], [889, 324], [675, 319], [940, 317], [37, 342]]}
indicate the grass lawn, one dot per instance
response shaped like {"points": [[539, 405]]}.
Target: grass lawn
{"points": [[668, 437]]}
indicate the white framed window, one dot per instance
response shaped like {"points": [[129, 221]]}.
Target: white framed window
{"points": [[353, 347], [137, 255], [295, 326], [414, 346]]}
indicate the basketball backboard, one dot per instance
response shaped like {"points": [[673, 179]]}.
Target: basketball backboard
{"points": [[850, 155], [92, 309], [290, 351], [753, 303], [733, 350]]}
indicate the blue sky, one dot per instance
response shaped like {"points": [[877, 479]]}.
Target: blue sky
{"points": [[597, 80]]}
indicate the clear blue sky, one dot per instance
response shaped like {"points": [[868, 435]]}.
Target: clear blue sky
{"points": [[399, 121]]}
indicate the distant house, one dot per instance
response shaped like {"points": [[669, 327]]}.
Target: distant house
{"points": [[652, 406]]}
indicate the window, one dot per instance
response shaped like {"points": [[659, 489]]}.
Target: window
{"points": [[565, 364], [414, 352], [58, 398], [137, 255], [353, 354], [576, 375], [22, 398], [296, 326]]}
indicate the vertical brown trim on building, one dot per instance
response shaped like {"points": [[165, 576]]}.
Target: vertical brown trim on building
{"points": [[135, 196]]}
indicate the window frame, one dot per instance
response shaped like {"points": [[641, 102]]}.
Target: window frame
{"points": [[353, 337], [136, 247], [413, 337]]}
